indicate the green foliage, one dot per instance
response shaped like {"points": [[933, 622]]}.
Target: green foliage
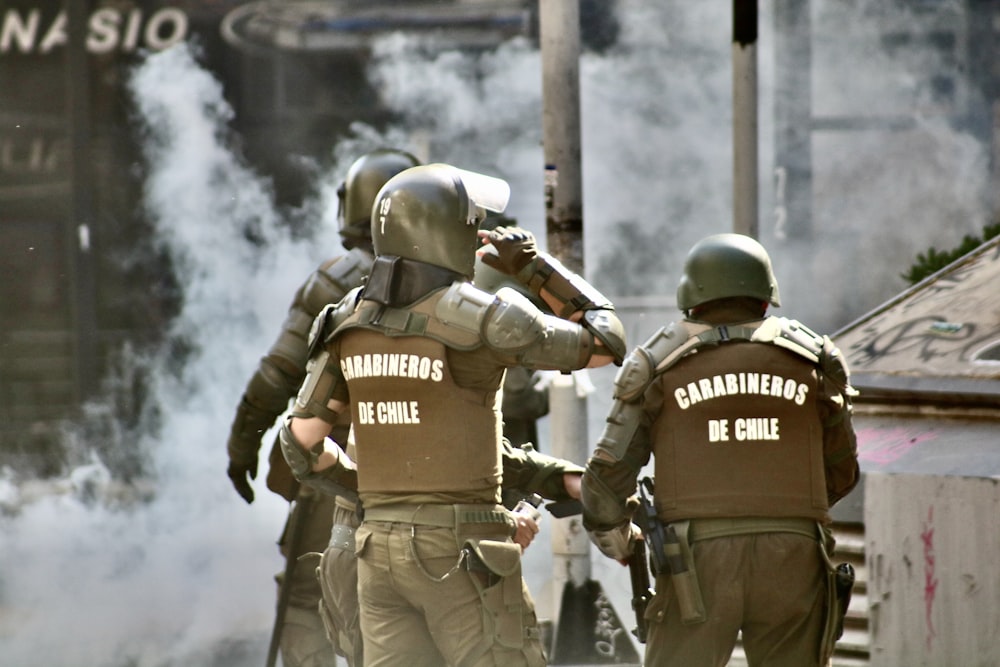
{"points": [[934, 260]]}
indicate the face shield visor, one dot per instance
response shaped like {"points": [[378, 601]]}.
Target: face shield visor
{"points": [[484, 193]]}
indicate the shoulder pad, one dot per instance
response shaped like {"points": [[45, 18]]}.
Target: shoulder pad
{"points": [[513, 322], [330, 282], [791, 335], [800, 339], [648, 359], [507, 321], [330, 317], [463, 305], [350, 271]]}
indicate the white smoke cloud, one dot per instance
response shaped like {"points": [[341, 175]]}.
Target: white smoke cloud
{"points": [[183, 574], [657, 143]]}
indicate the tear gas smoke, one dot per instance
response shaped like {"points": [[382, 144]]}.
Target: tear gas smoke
{"points": [[182, 575]]}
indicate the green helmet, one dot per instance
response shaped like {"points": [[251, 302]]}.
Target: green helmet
{"points": [[726, 265], [364, 179], [431, 214]]}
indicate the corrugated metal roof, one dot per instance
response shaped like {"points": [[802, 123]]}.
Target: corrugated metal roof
{"points": [[941, 336]]}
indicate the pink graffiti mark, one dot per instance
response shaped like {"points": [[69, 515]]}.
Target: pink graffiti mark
{"points": [[930, 581], [887, 445]]}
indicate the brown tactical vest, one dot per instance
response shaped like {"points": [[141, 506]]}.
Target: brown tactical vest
{"points": [[739, 436], [416, 431]]}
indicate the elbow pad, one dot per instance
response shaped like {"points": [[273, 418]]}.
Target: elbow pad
{"points": [[299, 459], [606, 327], [601, 507], [340, 479]]}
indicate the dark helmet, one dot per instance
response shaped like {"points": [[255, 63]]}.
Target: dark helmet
{"points": [[431, 214], [726, 265], [365, 177]]}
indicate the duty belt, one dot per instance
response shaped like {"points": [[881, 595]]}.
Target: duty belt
{"points": [[442, 516], [706, 529]]}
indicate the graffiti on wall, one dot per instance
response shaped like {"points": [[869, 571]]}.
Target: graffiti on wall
{"points": [[882, 446], [930, 578]]}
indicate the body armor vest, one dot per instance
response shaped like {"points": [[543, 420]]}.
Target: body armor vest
{"points": [[738, 435], [416, 431]]}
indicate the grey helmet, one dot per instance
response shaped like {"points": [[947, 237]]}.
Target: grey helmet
{"points": [[365, 177], [726, 265], [431, 214]]}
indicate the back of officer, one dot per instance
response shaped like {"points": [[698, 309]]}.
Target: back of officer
{"points": [[418, 357], [748, 420], [276, 381]]}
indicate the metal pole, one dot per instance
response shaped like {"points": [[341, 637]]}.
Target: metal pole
{"points": [[745, 179], [793, 120], [559, 26], [78, 226]]}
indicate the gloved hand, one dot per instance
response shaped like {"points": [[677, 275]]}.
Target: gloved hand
{"points": [[241, 474], [617, 543], [515, 248]]}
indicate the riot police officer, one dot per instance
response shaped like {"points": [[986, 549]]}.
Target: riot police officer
{"points": [[275, 382], [417, 357], [748, 420]]}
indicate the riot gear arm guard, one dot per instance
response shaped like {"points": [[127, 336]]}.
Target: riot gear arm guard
{"points": [[516, 254], [633, 378], [603, 507], [568, 293], [510, 324]]}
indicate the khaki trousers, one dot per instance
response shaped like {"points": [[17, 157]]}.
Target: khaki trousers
{"points": [[770, 586], [338, 577], [303, 637], [421, 607]]}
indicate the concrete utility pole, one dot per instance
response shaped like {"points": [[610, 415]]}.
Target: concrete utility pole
{"points": [[80, 276], [587, 630], [745, 178], [559, 22]]}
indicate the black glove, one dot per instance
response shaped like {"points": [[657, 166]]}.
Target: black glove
{"points": [[515, 248], [241, 474]]}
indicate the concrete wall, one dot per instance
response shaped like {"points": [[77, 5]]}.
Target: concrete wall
{"points": [[933, 545]]}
